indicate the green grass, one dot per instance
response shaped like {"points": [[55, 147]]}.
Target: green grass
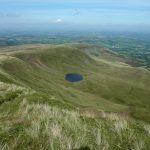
{"points": [[40, 110], [109, 84], [26, 124]]}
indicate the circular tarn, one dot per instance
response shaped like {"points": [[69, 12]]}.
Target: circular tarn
{"points": [[73, 77]]}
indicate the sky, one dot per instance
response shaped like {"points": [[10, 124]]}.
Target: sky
{"points": [[74, 13]]}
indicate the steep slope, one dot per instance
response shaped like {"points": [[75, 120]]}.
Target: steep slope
{"points": [[29, 120], [109, 83]]}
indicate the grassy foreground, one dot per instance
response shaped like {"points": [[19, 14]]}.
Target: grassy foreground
{"points": [[30, 125], [108, 110]]}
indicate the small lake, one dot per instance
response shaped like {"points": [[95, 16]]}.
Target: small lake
{"points": [[73, 77]]}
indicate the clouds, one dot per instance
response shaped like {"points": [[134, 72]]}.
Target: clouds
{"points": [[9, 15], [92, 12], [76, 12], [58, 20]]}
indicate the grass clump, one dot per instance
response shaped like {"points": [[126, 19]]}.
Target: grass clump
{"points": [[9, 92], [41, 126]]}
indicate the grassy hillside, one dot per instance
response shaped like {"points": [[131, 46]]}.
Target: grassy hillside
{"points": [[40, 110], [32, 121]]}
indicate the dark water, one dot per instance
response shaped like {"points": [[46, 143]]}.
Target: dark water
{"points": [[73, 77]]}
